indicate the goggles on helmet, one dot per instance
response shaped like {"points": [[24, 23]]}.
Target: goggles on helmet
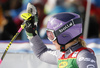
{"points": [[50, 34]]}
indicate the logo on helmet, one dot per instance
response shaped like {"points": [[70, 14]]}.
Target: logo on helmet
{"points": [[57, 26], [65, 27], [53, 22]]}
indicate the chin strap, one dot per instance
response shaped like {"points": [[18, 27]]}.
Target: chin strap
{"points": [[62, 48]]}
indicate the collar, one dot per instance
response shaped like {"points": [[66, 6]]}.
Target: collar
{"points": [[73, 48]]}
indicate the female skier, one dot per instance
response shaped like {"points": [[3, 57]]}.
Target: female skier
{"points": [[63, 30]]}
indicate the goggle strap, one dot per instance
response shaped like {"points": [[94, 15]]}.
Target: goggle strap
{"points": [[73, 22]]}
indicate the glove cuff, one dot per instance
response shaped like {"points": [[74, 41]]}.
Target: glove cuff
{"points": [[29, 35]]}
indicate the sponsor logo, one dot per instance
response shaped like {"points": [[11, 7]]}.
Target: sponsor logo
{"points": [[63, 64], [90, 66], [65, 27], [87, 59], [52, 22], [57, 26], [81, 59]]}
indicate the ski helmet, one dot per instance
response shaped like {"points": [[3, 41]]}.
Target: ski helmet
{"points": [[64, 27]]}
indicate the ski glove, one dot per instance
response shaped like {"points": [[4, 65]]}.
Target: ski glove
{"points": [[31, 27], [31, 23]]}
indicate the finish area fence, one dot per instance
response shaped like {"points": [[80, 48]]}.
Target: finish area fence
{"points": [[20, 54]]}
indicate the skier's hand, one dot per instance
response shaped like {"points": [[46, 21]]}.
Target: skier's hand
{"points": [[31, 25], [31, 28], [31, 21]]}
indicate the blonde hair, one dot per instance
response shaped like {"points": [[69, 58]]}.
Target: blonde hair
{"points": [[82, 42]]}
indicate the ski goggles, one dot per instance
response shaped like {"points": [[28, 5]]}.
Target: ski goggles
{"points": [[50, 34]]}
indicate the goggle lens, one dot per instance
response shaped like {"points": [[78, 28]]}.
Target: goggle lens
{"points": [[51, 35]]}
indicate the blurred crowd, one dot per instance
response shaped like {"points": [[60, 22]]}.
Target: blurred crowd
{"points": [[10, 11]]}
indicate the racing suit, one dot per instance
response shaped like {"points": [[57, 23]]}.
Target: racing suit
{"points": [[75, 56]]}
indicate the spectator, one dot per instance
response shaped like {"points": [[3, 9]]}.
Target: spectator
{"points": [[11, 28]]}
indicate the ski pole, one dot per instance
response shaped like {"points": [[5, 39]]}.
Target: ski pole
{"points": [[26, 17], [15, 36]]}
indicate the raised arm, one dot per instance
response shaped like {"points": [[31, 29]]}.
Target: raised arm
{"points": [[39, 48], [42, 52]]}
